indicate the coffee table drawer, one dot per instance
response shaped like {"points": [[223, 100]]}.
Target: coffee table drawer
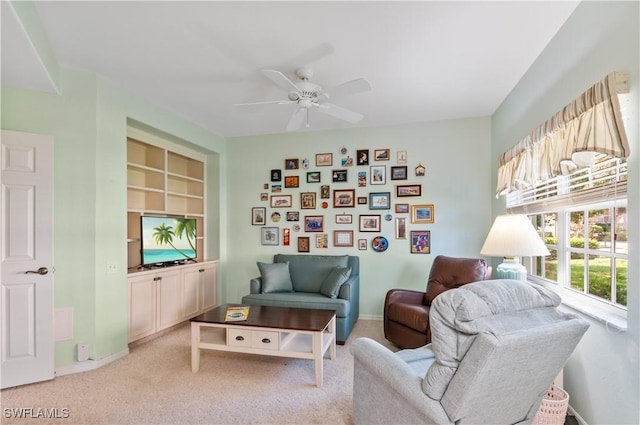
{"points": [[239, 337], [255, 339], [265, 340]]}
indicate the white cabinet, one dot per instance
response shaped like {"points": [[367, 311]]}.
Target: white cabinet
{"points": [[199, 290], [159, 299]]}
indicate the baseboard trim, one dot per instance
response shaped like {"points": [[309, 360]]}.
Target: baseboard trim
{"points": [[573, 413], [89, 364], [369, 317]]}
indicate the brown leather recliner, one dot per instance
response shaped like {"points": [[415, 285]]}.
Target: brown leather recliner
{"points": [[406, 312]]}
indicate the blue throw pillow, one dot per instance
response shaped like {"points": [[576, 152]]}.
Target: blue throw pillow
{"points": [[331, 285], [275, 277]]}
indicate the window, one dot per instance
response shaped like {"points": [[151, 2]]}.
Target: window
{"points": [[588, 247], [580, 211]]}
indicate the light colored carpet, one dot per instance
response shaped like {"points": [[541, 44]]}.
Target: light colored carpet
{"points": [[155, 385]]}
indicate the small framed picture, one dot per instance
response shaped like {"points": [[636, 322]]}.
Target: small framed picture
{"points": [[344, 218], [324, 159], [314, 223], [308, 200], [380, 201], [399, 173], [420, 170], [420, 241], [276, 188], [281, 201], [303, 243], [422, 214], [362, 156], [257, 216], [276, 175], [381, 154], [402, 209], [344, 198], [325, 193], [269, 236], [401, 227], [291, 164], [362, 200], [408, 190], [339, 176], [313, 177], [291, 181], [378, 174], [286, 236], [369, 223], [343, 238], [362, 244], [362, 179], [322, 240], [293, 215], [264, 196], [347, 161], [401, 157]]}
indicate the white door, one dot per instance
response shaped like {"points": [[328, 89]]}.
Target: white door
{"points": [[26, 258]]}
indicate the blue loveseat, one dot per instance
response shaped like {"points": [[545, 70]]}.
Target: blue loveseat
{"points": [[327, 282]]}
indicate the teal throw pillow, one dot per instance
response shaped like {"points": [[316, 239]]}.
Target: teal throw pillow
{"points": [[331, 285], [275, 277]]}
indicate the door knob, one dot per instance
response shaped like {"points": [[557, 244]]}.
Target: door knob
{"points": [[42, 271]]}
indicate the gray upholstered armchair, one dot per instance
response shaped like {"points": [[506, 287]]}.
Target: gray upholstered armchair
{"points": [[496, 347]]}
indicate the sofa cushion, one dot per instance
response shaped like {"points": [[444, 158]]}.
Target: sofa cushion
{"points": [[300, 300], [309, 271], [275, 277], [331, 285]]}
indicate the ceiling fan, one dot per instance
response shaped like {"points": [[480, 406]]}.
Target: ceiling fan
{"points": [[308, 96]]}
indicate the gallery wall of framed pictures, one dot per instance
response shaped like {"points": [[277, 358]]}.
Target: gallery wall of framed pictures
{"points": [[342, 199]]}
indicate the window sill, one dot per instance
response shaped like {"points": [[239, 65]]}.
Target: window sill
{"points": [[613, 318]]}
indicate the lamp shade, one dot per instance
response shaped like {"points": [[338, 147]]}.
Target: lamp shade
{"points": [[513, 235]]}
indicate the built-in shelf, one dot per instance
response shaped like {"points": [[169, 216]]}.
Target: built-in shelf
{"points": [[161, 181]]}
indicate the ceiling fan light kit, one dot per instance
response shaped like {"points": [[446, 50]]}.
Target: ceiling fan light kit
{"points": [[308, 95]]}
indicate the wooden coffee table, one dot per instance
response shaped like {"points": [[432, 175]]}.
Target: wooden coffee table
{"points": [[271, 331]]}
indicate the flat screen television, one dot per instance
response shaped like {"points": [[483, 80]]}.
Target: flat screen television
{"points": [[167, 240]]}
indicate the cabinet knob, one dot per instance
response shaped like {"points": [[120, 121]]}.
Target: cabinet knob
{"points": [[266, 340], [239, 338], [201, 270]]}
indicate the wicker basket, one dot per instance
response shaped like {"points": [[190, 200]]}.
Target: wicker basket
{"points": [[553, 409]]}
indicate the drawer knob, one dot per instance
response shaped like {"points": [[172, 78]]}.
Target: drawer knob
{"points": [[266, 340], [239, 338]]}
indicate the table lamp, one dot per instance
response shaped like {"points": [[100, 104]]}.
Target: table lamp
{"points": [[513, 236]]}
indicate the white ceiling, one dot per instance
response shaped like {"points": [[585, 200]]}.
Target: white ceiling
{"points": [[425, 60]]}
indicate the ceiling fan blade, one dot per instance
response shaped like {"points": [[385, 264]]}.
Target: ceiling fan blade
{"points": [[297, 119], [280, 80], [350, 87], [266, 102], [339, 112]]}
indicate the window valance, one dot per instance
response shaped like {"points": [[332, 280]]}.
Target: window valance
{"points": [[588, 126]]}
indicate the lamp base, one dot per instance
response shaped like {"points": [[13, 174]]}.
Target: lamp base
{"points": [[511, 269]]}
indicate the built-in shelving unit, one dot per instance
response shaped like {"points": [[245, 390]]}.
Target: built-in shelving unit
{"points": [[162, 181]]}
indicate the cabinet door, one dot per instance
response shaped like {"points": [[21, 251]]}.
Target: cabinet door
{"points": [[208, 286], [169, 299], [142, 307], [190, 292]]}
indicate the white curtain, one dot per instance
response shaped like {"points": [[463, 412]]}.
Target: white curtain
{"points": [[591, 123]]}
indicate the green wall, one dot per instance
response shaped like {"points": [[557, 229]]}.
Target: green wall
{"points": [[457, 181], [89, 123], [602, 376]]}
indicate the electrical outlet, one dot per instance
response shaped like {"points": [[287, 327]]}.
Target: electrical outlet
{"points": [[112, 267], [82, 351]]}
